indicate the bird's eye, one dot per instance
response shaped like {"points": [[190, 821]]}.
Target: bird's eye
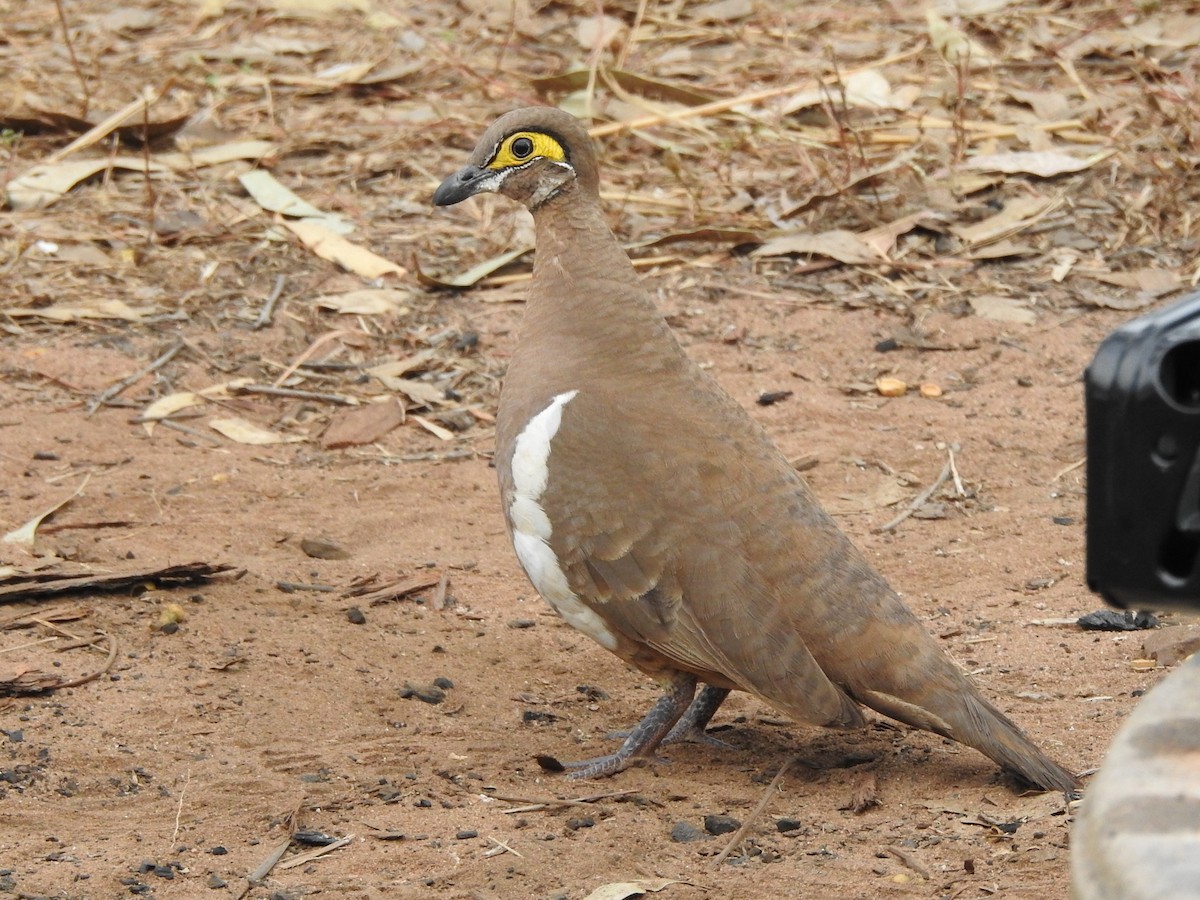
{"points": [[522, 147]]}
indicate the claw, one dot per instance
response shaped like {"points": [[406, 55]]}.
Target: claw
{"points": [[642, 740]]}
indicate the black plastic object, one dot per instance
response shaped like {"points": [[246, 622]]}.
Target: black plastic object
{"points": [[1143, 437]]}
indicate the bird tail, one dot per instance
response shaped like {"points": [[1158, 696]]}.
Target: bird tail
{"points": [[978, 724]]}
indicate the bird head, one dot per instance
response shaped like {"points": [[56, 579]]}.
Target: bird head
{"points": [[529, 155]]}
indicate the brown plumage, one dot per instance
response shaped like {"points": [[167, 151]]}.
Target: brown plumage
{"points": [[656, 516]]}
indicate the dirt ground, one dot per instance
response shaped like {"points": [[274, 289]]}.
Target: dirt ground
{"points": [[227, 715]]}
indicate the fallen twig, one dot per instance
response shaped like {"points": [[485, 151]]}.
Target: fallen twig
{"points": [[959, 490], [292, 393], [317, 852], [909, 860], [32, 684], [500, 847], [534, 804], [740, 834], [918, 501], [179, 807], [125, 383], [37, 585], [268, 309], [265, 867], [184, 429], [1068, 469]]}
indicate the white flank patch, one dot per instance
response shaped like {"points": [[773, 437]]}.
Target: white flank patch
{"points": [[531, 525]]}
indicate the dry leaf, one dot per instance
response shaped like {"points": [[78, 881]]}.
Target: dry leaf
{"points": [[80, 254], [970, 7], [272, 196], [420, 392], [1018, 214], [364, 425], [94, 309], [1002, 309], [398, 367], [844, 246], [642, 85], [374, 16], [1125, 304], [244, 432], [215, 155], [1149, 279], [883, 237], [954, 46], [476, 273], [47, 183], [1045, 163], [1001, 249], [167, 406], [27, 533], [1048, 106], [170, 404], [435, 429], [865, 89], [598, 31], [888, 492], [721, 11], [621, 890], [366, 302], [335, 248]]}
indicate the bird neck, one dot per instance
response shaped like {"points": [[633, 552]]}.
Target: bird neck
{"points": [[586, 296]]}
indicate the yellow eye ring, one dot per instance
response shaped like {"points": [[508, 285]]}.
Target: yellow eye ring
{"points": [[522, 147]]}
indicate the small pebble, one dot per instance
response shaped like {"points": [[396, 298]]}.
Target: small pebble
{"points": [[930, 390], [323, 548], [1116, 620], [466, 834], [770, 398], [522, 623], [785, 825], [577, 822], [216, 882], [424, 693], [1063, 520], [218, 850], [685, 833], [721, 824], [443, 682], [312, 838], [356, 616]]}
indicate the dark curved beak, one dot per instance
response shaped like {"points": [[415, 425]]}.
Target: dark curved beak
{"points": [[466, 182]]}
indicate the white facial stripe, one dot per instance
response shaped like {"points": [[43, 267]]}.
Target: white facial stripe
{"points": [[491, 181], [532, 528]]}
